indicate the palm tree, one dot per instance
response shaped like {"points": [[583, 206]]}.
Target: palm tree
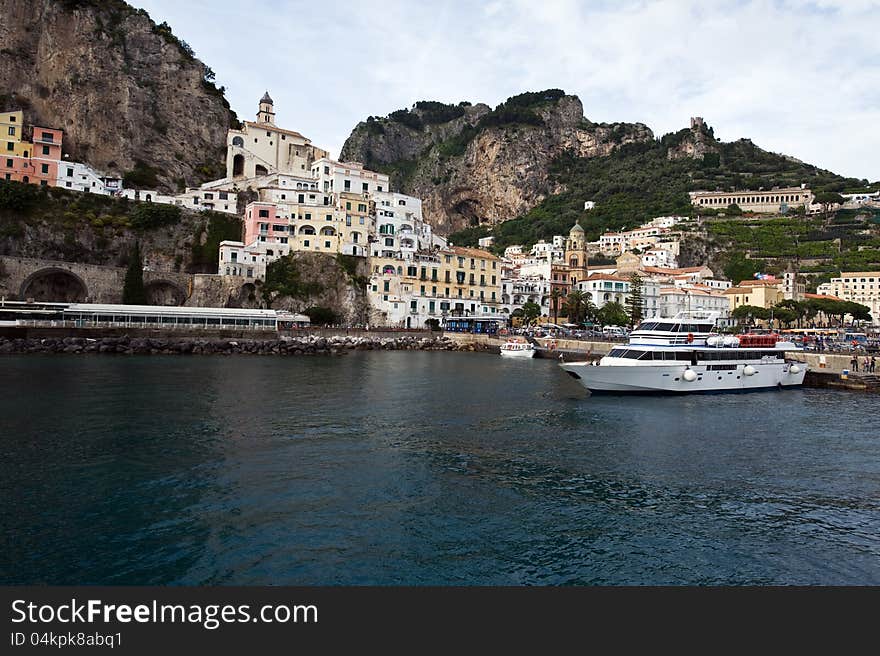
{"points": [[576, 306], [555, 294]]}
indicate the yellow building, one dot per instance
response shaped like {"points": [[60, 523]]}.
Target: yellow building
{"points": [[759, 293], [451, 282], [11, 133]]}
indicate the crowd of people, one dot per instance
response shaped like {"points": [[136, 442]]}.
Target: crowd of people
{"points": [[868, 363]]}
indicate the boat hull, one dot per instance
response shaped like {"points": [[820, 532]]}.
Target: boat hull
{"points": [[671, 380], [530, 353]]}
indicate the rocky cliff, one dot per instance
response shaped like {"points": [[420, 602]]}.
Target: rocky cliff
{"points": [[129, 95], [471, 164]]}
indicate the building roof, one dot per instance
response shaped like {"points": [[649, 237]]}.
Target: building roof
{"points": [[576, 227], [759, 283], [473, 252], [825, 296], [266, 99], [674, 272], [605, 276], [275, 128], [858, 274]]}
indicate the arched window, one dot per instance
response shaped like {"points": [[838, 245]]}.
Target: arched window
{"points": [[307, 230], [388, 270], [573, 262], [261, 170], [238, 165], [607, 297], [238, 141]]}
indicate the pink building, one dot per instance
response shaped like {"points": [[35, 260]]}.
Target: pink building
{"points": [[36, 162]]}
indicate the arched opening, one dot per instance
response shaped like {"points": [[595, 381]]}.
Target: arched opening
{"points": [[307, 230], [238, 165], [163, 292], [260, 170], [573, 262], [327, 231], [54, 284], [238, 141]]}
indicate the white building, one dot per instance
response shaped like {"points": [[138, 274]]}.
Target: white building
{"points": [[82, 177], [333, 176], [692, 298], [602, 288], [516, 292], [856, 286]]}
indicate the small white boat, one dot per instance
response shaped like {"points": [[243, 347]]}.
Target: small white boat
{"points": [[514, 349]]}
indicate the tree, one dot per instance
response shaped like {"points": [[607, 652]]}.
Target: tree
{"points": [[746, 314], [576, 306], [133, 291], [635, 300], [826, 199], [733, 210], [612, 314], [530, 312], [433, 324], [555, 294]]}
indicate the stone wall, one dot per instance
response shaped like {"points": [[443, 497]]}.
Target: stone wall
{"points": [[48, 280]]}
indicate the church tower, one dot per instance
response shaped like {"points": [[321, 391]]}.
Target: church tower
{"points": [[576, 254], [267, 110]]}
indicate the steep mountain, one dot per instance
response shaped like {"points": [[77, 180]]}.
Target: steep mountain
{"points": [[130, 96], [471, 164], [524, 170]]}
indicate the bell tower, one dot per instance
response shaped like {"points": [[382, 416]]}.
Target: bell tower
{"points": [[267, 110], [576, 254]]}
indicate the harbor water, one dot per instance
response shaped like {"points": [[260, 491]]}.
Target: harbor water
{"points": [[422, 468]]}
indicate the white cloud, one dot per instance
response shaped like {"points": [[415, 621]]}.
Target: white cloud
{"points": [[797, 77]]}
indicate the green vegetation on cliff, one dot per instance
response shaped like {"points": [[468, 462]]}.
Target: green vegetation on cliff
{"points": [[638, 182]]}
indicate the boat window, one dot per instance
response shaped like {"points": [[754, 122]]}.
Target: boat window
{"points": [[646, 355], [669, 355], [683, 355], [617, 353], [648, 326], [633, 354], [706, 327], [664, 326], [676, 328]]}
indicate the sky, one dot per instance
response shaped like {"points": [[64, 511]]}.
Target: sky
{"points": [[796, 77]]}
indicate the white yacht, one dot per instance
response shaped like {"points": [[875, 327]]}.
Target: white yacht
{"points": [[685, 354], [515, 349]]}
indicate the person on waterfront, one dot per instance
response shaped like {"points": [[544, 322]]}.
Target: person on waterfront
{"points": [[866, 364], [854, 363], [873, 363]]}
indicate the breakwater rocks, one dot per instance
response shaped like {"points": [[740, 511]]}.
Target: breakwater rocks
{"points": [[300, 345]]}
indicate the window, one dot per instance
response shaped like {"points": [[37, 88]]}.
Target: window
{"points": [[45, 150], [264, 214], [378, 187], [302, 198], [9, 163], [44, 168], [10, 145], [12, 131], [326, 244], [347, 185], [365, 186]]}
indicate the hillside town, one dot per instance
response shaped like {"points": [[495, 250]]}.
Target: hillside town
{"points": [[293, 197]]}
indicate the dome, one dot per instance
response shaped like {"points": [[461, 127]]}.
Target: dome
{"points": [[577, 228], [266, 99]]}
